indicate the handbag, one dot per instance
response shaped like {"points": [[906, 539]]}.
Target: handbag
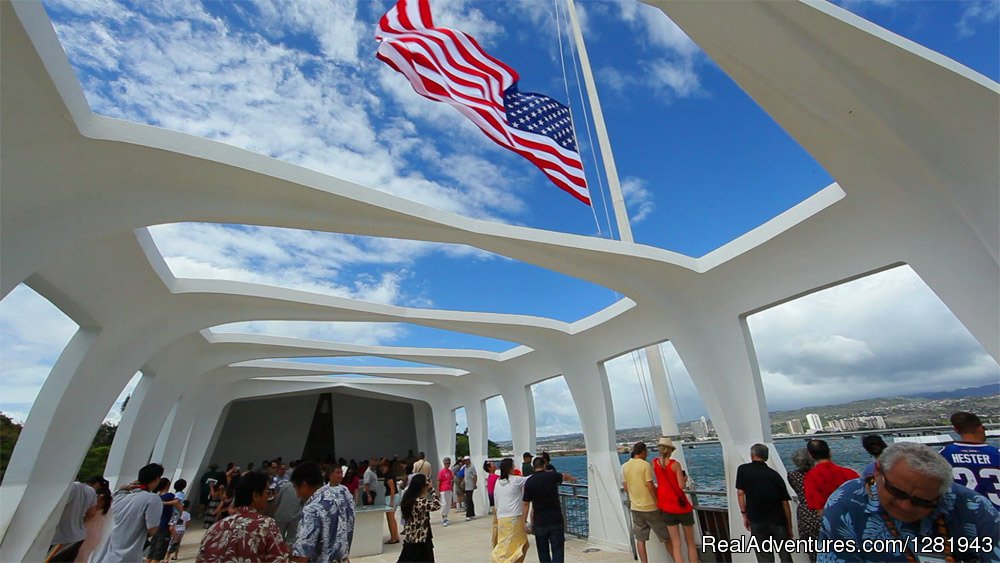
{"points": [[682, 500]]}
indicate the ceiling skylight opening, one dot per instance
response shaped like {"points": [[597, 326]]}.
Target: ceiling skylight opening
{"points": [[376, 269], [369, 334], [878, 336]]}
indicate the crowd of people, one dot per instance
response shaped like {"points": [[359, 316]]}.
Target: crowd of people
{"points": [[945, 502], [930, 505]]}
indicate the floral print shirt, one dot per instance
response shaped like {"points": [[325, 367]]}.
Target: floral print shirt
{"points": [[852, 514], [418, 528], [245, 537], [327, 527]]}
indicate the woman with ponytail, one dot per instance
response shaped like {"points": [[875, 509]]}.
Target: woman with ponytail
{"points": [[672, 501], [512, 537]]}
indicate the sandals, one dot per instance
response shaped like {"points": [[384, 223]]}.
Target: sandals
{"points": [[391, 541]]}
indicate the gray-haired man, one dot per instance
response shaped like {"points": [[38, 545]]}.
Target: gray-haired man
{"points": [[914, 500]]}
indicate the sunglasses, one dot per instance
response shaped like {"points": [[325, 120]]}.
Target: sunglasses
{"points": [[902, 495]]}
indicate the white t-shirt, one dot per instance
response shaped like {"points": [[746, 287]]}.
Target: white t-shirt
{"points": [[133, 513], [182, 521], [70, 528], [508, 496]]}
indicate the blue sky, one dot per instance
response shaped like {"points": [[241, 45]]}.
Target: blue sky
{"points": [[700, 162]]}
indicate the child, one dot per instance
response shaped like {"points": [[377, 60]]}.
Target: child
{"points": [[177, 528]]}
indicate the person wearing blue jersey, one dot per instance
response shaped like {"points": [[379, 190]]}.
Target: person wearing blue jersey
{"points": [[974, 463]]}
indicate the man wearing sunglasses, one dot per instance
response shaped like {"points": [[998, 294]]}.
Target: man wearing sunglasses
{"points": [[911, 511]]}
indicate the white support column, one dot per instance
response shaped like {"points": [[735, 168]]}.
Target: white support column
{"points": [[719, 354], [661, 390], [521, 415], [475, 414], [529, 398], [588, 383], [161, 439], [444, 431], [659, 377], [81, 388], [423, 426], [136, 430], [203, 436], [189, 408]]}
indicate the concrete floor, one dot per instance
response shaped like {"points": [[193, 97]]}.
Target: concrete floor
{"points": [[461, 541]]}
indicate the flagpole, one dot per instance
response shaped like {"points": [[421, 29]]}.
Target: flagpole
{"points": [[654, 358], [614, 185]]}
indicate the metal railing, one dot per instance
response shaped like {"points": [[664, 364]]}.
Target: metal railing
{"points": [[573, 501], [710, 509]]}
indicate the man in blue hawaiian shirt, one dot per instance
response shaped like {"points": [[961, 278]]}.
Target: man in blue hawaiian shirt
{"points": [[911, 511], [327, 527]]}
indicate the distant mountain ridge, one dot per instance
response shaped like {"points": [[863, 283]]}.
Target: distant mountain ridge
{"points": [[987, 390], [852, 408]]}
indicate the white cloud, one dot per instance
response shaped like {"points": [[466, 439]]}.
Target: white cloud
{"points": [[977, 13], [861, 6], [864, 339], [33, 332], [670, 65], [497, 422], [624, 376], [366, 268], [332, 23], [461, 421], [555, 411], [371, 334], [258, 89], [880, 336], [638, 198], [464, 16], [658, 28]]}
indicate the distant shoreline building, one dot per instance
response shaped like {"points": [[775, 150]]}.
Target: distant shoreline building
{"points": [[814, 421], [700, 429], [795, 427]]}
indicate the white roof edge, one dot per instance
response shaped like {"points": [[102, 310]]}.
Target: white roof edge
{"points": [[917, 49]]}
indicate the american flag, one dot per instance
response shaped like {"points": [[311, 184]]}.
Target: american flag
{"points": [[447, 65]]}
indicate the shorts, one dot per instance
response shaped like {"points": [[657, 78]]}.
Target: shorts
{"points": [[175, 542], [158, 545], [643, 521], [684, 519]]}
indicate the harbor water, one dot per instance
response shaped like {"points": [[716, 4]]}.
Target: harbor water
{"points": [[704, 462]]}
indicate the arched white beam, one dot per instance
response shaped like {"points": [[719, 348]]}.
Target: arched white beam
{"points": [[753, 245], [189, 357], [155, 397], [912, 115], [194, 401], [520, 409], [902, 134], [588, 385], [131, 336], [469, 360], [563, 253], [212, 414], [201, 179], [522, 329]]}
